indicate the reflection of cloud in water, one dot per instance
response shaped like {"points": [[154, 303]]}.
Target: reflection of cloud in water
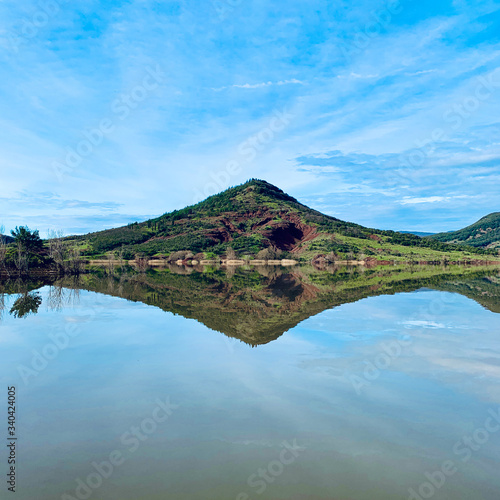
{"points": [[423, 324], [458, 350], [238, 404]]}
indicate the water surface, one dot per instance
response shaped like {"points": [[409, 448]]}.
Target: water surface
{"points": [[372, 395]]}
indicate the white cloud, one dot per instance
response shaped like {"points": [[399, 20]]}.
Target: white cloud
{"points": [[293, 81], [408, 200], [423, 324], [358, 76], [377, 109]]}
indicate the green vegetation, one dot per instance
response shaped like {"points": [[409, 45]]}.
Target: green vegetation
{"points": [[26, 251], [28, 241], [255, 220], [485, 233], [339, 247], [247, 219]]}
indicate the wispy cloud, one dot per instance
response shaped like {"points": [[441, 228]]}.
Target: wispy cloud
{"points": [[408, 200], [357, 76], [356, 114], [293, 81], [460, 176], [48, 199]]}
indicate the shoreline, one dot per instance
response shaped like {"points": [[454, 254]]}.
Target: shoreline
{"points": [[91, 266]]}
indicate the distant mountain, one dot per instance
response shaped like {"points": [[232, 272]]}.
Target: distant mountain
{"points": [[485, 233], [257, 219], [6, 239], [417, 233]]}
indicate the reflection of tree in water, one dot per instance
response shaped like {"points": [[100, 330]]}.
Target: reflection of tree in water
{"points": [[27, 304], [55, 298], [2, 305], [58, 297], [255, 304]]}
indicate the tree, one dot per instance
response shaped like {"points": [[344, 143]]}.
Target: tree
{"points": [[269, 253], [28, 243], [3, 247], [111, 262], [231, 254], [120, 254], [142, 262], [56, 247], [75, 262]]}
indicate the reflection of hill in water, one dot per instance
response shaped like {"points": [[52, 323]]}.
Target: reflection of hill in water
{"points": [[258, 305], [483, 289]]}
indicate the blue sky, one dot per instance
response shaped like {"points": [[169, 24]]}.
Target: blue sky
{"points": [[382, 113]]}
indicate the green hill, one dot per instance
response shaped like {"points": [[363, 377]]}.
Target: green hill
{"points": [[258, 219], [248, 218], [485, 233]]}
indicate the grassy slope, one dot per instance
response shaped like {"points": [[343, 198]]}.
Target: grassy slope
{"points": [[483, 233], [257, 215]]}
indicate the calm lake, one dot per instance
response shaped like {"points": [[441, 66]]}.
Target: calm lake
{"points": [[127, 389]]}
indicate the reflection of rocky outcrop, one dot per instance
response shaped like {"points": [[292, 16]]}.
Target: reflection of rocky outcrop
{"points": [[258, 305]]}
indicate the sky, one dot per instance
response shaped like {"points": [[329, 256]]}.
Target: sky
{"points": [[383, 113]]}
